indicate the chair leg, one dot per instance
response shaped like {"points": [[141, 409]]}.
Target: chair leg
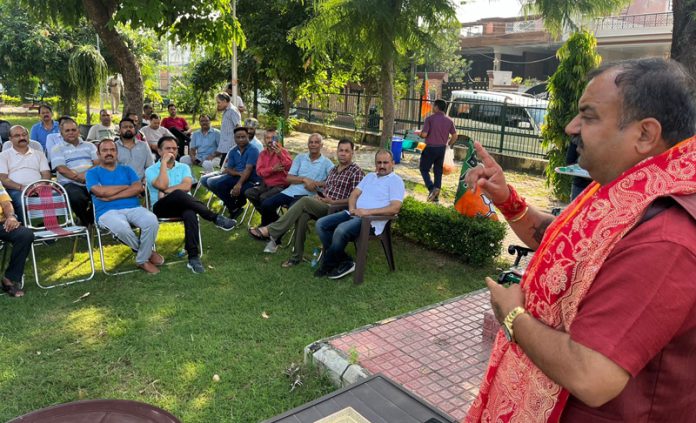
{"points": [[361, 252], [74, 250], [385, 238]]}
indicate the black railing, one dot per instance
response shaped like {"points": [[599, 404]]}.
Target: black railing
{"points": [[501, 127]]}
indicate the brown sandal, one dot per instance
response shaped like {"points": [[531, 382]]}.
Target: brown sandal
{"points": [[258, 235], [11, 289], [290, 263]]}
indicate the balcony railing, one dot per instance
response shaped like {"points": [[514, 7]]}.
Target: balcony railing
{"points": [[651, 20], [497, 29]]}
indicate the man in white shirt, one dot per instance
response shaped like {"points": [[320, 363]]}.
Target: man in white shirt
{"points": [[105, 129], [21, 166], [380, 193], [154, 131]]}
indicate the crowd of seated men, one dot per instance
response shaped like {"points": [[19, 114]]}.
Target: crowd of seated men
{"points": [[117, 165]]}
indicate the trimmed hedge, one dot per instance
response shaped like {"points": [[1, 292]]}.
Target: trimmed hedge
{"points": [[475, 240]]}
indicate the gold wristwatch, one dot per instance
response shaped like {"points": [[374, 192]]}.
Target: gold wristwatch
{"points": [[507, 323]]}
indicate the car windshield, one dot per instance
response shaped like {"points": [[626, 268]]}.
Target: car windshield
{"points": [[538, 114]]}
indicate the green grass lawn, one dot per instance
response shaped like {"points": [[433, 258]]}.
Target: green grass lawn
{"points": [[160, 339]]}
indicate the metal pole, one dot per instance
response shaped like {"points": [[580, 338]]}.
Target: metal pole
{"points": [[234, 59]]}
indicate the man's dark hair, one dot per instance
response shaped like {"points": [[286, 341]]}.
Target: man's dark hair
{"points": [[656, 88], [224, 97], [170, 105], [440, 104], [45, 106], [154, 116], [204, 115], [126, 120], [271, 129], [102, 142], [384, 151], [229, 86], [241, 128], [63, 119], [166, 138], [346, 141], [147, 106]]}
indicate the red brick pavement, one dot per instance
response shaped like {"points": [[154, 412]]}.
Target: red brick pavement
{"points": [[439, 353]]}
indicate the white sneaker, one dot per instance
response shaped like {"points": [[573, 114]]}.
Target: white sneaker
{"points": [[271, 247]]}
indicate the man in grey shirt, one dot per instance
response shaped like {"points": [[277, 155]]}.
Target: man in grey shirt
{"points": [[132, 153]]}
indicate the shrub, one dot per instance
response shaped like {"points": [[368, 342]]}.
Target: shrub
{"points": [[475, 240], [10, 100]]}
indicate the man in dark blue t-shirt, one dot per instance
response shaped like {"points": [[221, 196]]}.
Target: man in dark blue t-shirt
{"points": [[238, 176], [115, 189]]}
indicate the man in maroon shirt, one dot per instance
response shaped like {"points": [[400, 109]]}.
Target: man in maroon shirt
{"points": [[177, 126], [624, 347], [439, 132]]}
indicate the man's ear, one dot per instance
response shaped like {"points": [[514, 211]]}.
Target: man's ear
{"points": [[650, 141]]}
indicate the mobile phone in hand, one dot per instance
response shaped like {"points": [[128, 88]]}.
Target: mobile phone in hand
{"points": [[320, 193]]}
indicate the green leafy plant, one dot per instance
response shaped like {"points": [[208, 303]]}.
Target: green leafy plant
{"points": [[87, 69], [475, 240], [577, 57]]}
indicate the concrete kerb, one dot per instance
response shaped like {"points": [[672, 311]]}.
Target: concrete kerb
{"points": [[338, 366]]}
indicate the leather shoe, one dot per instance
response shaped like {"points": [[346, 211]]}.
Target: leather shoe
{"points": [[149, 267]]}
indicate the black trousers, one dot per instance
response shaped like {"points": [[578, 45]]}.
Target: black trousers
{"points": [[182, 204], [80, 202], [432, 157], [21, 239], [182, 140]]}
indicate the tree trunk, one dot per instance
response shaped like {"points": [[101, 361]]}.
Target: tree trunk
{"points": [[99, 13], [684, 34], [387, 88], [285, 94]]}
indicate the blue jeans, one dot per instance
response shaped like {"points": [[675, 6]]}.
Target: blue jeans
{"points": [[335, 232], [16, 196], [221, 186]]}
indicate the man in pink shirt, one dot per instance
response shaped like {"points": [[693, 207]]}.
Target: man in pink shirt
{"points": [[272, 166]]}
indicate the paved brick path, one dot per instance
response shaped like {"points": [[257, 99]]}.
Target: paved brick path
{"points": [[438, 352]]}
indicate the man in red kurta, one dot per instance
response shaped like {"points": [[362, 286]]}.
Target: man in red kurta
{"points": [[602, 326], [179, 127]]}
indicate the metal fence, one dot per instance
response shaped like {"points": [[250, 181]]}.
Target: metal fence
{"points": [[501, 126]]}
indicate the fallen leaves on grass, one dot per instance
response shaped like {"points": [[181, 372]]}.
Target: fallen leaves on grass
{"points": [[265, 315], [82, 297]]}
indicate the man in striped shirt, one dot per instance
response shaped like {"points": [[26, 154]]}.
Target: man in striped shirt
{"points": [[71, 160], [341, 181]]}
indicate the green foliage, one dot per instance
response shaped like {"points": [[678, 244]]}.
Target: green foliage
{"points": [[561, 13], [189, 100], [475, 240], [577, 57], [444, 54], [10, 100], [87, 70]]}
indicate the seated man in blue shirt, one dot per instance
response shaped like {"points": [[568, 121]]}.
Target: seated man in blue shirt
{"points": [[169, 183], [203, 147], [238, 176], [307, 173], [379, 193], [115, 189]]}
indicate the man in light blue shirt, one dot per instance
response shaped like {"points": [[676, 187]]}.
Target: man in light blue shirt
{"points": [[203, 147], [169, 183], [307, 173], [45, 126], [380, 193], [231, 118]]}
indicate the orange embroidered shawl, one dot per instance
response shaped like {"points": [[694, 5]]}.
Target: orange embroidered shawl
{"points": [[562, 271]]}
